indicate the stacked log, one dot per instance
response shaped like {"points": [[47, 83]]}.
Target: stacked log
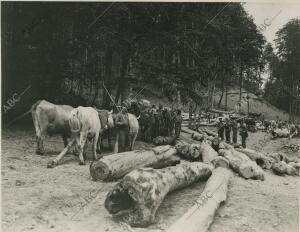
{"points": [[117, 165], [209, 132], [200, 216], [190, 151], [202, 151], [207, 153], [164, 140], [136, 198], [282, 168], [242, 164], [262, 160]]}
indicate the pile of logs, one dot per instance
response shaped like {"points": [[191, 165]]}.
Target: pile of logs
{"points": [[149, 175]]}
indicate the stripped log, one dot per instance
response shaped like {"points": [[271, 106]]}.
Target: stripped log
{"points": [[198, 137], [200, 216], [207, 153], [242, 164], [136, 198], [115, 166], [262, 160]]}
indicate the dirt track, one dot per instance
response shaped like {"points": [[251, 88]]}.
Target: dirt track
{"points": [[63, 199]]}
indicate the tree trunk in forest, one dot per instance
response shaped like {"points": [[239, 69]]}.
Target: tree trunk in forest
{"points": [[136, 198], [242, 164], [115, 166], [123, 83], [200, 216], [222, 94], [240, 81]]}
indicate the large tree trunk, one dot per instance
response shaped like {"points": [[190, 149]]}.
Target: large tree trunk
{"points": [[242, 164], [136, 198], [200, 216], [107, 78], [262, 160], [115, 166]]}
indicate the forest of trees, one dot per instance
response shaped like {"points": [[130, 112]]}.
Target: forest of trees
{"points": [[178, 47], [283, 87]]}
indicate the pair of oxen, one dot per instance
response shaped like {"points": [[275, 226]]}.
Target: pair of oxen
{"points": [[76, 126]]}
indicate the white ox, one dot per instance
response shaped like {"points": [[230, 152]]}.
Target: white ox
{"points": [[85, 125]]}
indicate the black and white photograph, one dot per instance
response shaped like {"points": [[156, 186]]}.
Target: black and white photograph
{"points": [[150, 116]]}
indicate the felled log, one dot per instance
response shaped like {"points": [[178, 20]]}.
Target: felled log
{"points": [[117, 165], [282, 133], [161, 140], [189, 151], [136, 198], [197, 136], [220, 162], [282, 168], [200, 216], [242, 164], [170, 161], [207, 153], [209, 132], [296, 166], [262, 160]]}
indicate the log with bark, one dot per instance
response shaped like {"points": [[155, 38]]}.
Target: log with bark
{"points": [[190, 151], [136, 198], [200, 216], [242, 164], [262, 160], [208, 132], [164, 140], [282, 168], [117, 165]]}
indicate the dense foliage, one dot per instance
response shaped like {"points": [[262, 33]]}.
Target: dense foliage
{"points": [[283, 86], [179, 47]]}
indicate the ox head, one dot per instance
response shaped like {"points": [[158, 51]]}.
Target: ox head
{"points": [[74, 121]]}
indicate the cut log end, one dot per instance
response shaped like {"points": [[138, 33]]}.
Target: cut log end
{"points": [[99, 171]]}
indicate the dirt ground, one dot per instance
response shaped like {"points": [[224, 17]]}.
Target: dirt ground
{"points": [[35, 198]]}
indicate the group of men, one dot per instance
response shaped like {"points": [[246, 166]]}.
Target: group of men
{"points": [[228, 125], [160, 122]]}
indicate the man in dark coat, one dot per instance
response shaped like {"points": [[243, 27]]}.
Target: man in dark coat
{"points": [[178, 121], [122, 123], [244, 134], [221, 129], [227, 130], [234, 131]]}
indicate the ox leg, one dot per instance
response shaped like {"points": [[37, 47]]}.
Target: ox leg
{"points": [[65, 140], [133, 141], [96, 144], [109, 139], [82, 142]]}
